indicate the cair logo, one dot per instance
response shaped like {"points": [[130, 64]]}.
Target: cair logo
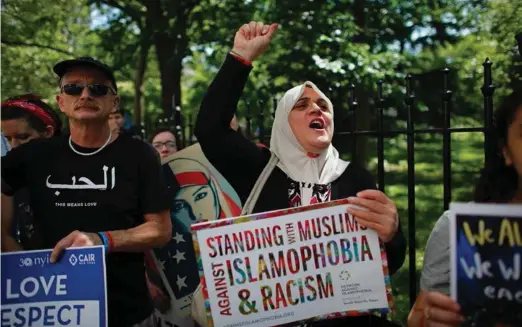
{"points": [[82, 259]]}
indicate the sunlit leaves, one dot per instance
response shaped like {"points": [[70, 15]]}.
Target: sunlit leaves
{"points": [[36, 35]]}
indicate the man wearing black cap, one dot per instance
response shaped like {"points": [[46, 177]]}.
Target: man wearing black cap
{"points": [[95, 187]]}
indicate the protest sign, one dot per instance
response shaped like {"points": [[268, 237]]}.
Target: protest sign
{"points": [[71, 292], [290, 265], [198, 193], [486, 250]]}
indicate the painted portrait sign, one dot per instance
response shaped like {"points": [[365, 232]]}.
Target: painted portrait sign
{"points": [[199, 193]]}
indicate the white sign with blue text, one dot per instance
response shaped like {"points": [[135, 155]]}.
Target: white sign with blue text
{"points": [[71, 292]]}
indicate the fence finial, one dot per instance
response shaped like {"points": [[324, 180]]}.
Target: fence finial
{"points": [[446, 95], [410, 94], [409, 99], [487, 88], [380, 136], [487, 91], [190, 129], [380, 98], [518, 37], [261, 121], [353, 99], [248, 120], [446, 92]]}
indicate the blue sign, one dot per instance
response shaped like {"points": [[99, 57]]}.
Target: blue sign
{"points": [[71, 292], [487, 263]]}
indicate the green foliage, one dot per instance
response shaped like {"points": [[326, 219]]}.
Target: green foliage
{"points": [[494, 40], [35, 37]]}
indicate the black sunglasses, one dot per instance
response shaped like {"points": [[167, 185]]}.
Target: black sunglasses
{"points": [[96, 90]]}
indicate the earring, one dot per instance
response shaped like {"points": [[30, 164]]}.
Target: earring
{"points": [[507, 157]]}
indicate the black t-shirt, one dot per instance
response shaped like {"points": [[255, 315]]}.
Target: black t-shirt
{"points": [[24, 229], [110, 190]]}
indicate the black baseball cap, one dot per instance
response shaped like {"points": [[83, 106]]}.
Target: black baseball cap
{"points": [[63, 66]]}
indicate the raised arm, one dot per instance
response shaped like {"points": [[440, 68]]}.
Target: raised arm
{"points": [[237, 158]]}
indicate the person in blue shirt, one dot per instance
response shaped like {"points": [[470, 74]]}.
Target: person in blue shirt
{"points": [[3, 145]]}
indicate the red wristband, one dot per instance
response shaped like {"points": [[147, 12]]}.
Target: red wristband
{"points": [[421, 320], [241, 59], [111, 241]]}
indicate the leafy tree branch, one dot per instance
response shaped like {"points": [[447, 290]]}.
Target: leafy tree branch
{"points": [[36, 45]]}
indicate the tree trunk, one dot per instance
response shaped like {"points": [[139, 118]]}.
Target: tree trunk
{"points": [[170, 58], [170, 67], [141, 67], [158, 21], [359, 15], [168, 22], [171, 48], [165, 48]]}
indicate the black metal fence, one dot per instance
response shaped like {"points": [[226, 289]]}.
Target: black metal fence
{"points": [[410, 132]]}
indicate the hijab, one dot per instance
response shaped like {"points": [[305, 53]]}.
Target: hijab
{"points": [[190, 172], [293, 159]]}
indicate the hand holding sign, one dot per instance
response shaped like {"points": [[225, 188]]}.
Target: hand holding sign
{"points": [[441, 310], [75, 239], [382, 215], [289, 265], [71, 292]]}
